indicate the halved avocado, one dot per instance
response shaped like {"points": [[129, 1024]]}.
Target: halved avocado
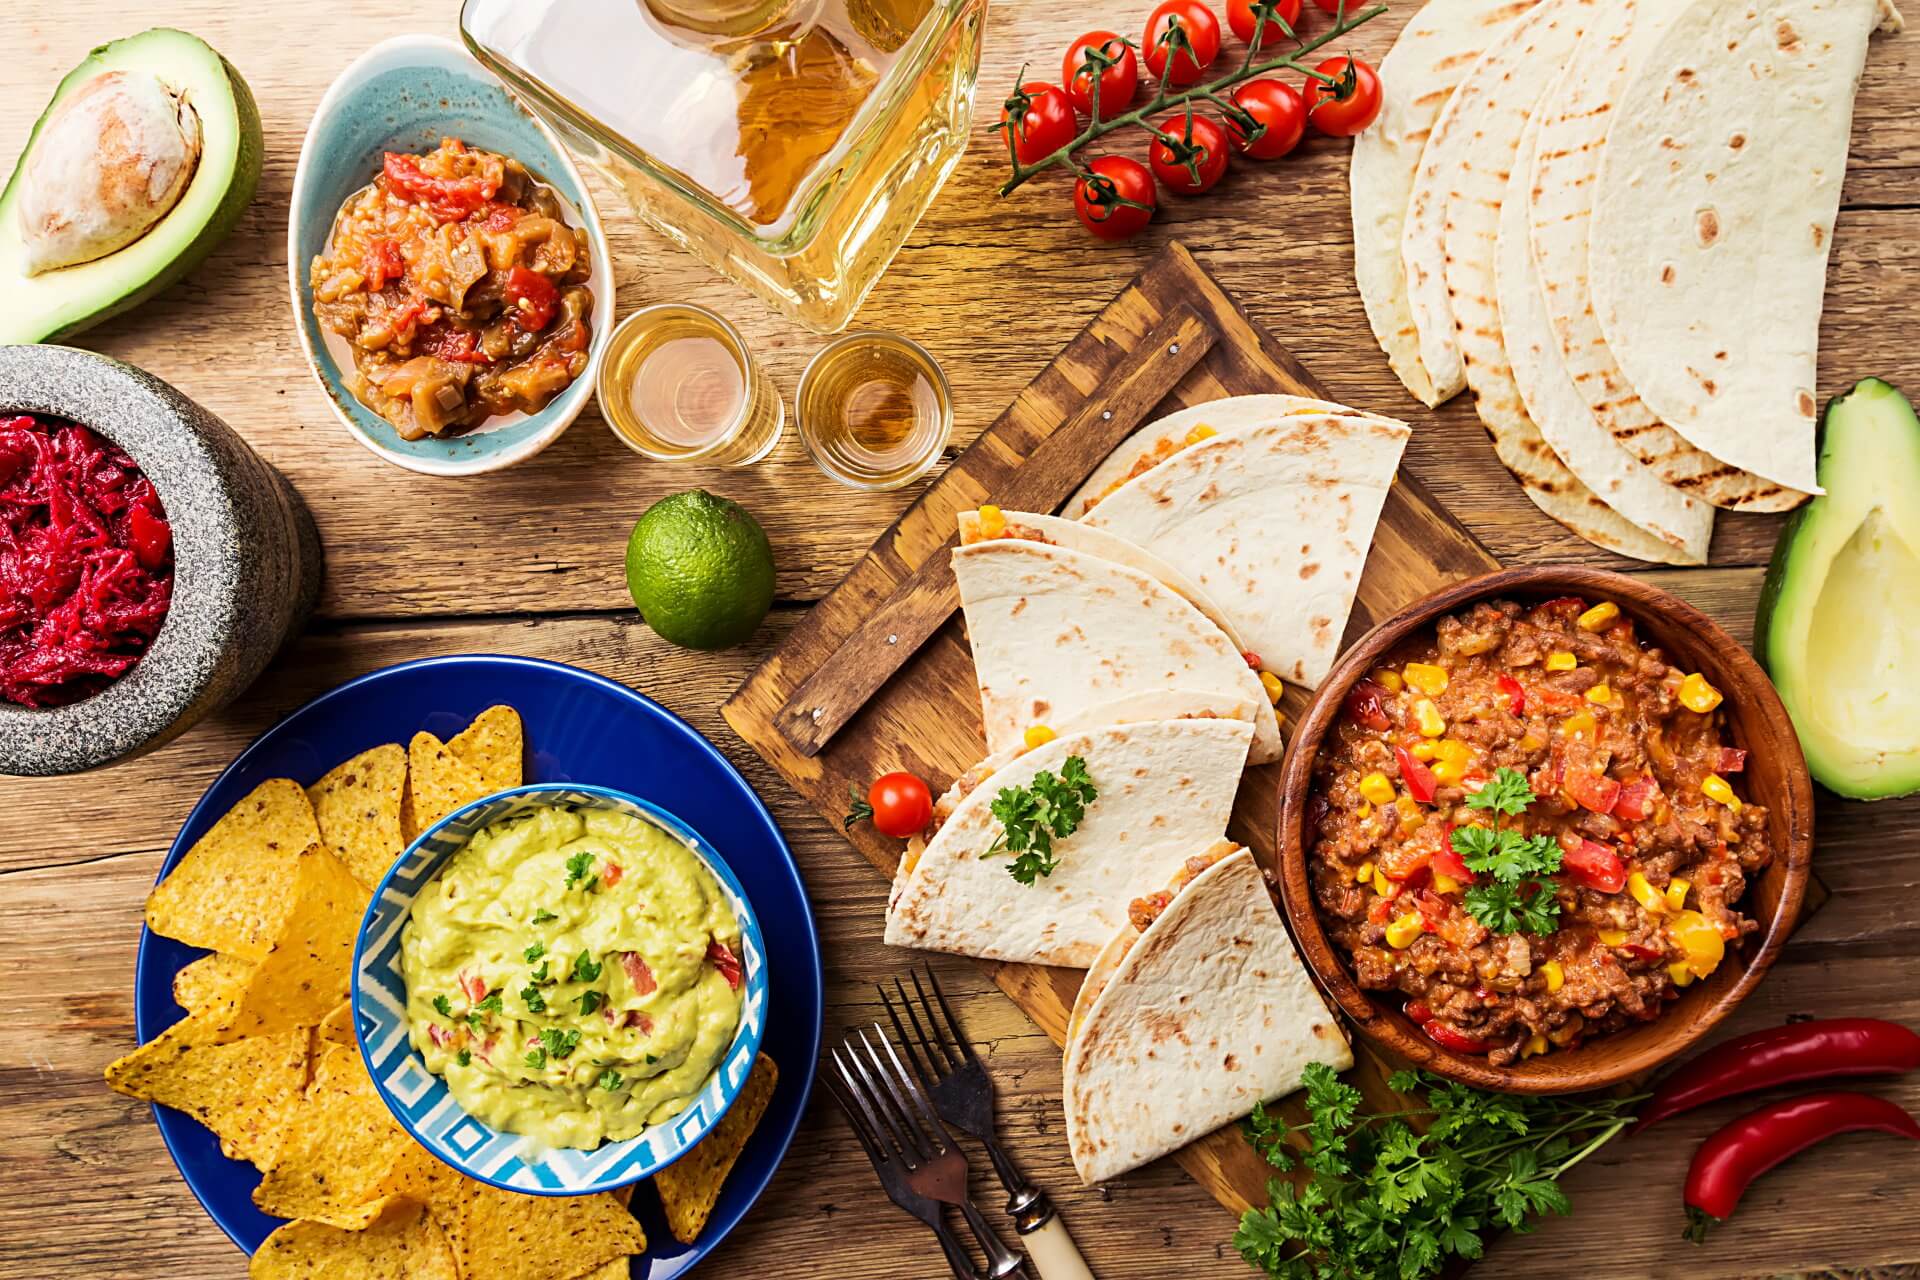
{"points": [[57, 303], [1839, 622]]}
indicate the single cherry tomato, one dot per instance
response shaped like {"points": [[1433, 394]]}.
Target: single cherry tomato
{"points": [[1347, 105], [1241, 17], [1202, 33], [1278, 109], [1118, 83], [1116, 199], [1046, 121], [1333, 6], [899, 804], [1189, 139]]}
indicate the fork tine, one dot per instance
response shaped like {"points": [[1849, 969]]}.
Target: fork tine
{"points": [[942, 1063], [936, 1131], [855, 1121], [950, 1058], [870, 1107], [915, 1148], [933, 1068], [953, 1023]]}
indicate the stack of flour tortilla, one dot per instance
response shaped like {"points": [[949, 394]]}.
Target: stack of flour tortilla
{"points": [[1145, 633], [1611, 220]]}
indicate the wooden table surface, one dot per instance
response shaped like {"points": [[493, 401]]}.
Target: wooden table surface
{"points": [[530, 562]]}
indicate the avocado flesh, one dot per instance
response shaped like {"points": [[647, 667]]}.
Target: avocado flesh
{"points": [[62, 302], [1839, 624]]}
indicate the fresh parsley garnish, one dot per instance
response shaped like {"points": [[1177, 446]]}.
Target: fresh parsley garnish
{"points": [[535, 951], [1396, 1194], [531, 997], [585, 968], [578, 866], [537, 1059], [1520, 897], [463, 1057], [559, 1043], [443, 1006], [540, 974], [611, 1080], [544, 916], [1034, 816], [489, 1005], [651, 1059], [589, 1001]]}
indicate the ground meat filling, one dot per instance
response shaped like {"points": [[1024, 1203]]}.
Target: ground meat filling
{"points": [[1634, 777]]}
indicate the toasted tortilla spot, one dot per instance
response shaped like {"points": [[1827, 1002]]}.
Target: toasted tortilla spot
{"points": [[1707, 223]]}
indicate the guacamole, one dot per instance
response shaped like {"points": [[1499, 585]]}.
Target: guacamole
{"points": [[574, 975]]}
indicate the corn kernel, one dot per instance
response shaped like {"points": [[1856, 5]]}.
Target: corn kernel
{"points": [[1561, 661], [1601, 694], [1364, 873], [1714, 787], [1531, 742], [1454, 760], [1201, 432], [1424, 750], [1697, 695], [1645, 894], [1565, 1035], [1388, 680], [993, 522], [1427, 678], [1271, 683], [1680, 973], [1701, 939], [1377, 787], [1409, 810], [1445, 883], [1580, 724], [1598, 617], [1536, 1044], [1556, 975], [1382, 885], [1038, 735], [1611, 937], [1427, 718], [1676, 894], [1402, 932], [1365, 811]]}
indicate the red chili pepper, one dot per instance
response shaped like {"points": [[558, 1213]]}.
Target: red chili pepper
{"points": [[532, 298], [1516, 696], [1592, 864], [1731, 1159], [1797, 1052], [1459, 1042], [1419, 779], [1366, 706]]}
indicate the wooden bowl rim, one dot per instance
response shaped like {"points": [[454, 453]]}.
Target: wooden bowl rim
{"points": [[1731, 667]]}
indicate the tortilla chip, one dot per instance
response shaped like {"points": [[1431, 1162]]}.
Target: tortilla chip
{"points": [[493, 744], [229, 892], [357, 805], [618, 1269], [404, 1244], [690, 1186], [305, 975], [438, 782], [210, 980], [520, 1237], [337, 1027], [339, 1151], [246, 1092]]}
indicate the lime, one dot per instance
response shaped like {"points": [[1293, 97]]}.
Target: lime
{"points": [[700, 570]]}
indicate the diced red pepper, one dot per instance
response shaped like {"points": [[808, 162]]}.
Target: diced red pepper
{"points": [[1449, 863], [1732, 760], [1418, 1012], [1366, 706], [1418, 778], [1404, 862], [723, 959], [532, 298], [1252, 659], [384, 262], [1379, 909], [638, 973], [447, 199], [473, 984], [1516, 696], [1458, 1041], [1592, 864], [1637, 800], [1640, 952], [610, 875], [1432, 907], [1595, 791]]}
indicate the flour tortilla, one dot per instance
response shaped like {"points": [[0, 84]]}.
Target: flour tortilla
{"points": [[1163, 436], [1183, 1028], [1056, 631], [1274, 522], [1165, 789], [1574, 121], [1509, 79], [1678, 528], [1434, 50], [1713, 218]]}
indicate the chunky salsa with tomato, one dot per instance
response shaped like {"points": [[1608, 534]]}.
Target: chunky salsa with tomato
{"points": [[86, 562], [1528, 825], [461, 288]]}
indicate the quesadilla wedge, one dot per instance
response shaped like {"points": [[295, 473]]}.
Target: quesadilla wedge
{"points": [[1163, 788], [1195, 1011], [1274, 521], [1056, 631]]}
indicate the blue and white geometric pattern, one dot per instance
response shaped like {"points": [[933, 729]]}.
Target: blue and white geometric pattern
{"points": [[421, 1101]]}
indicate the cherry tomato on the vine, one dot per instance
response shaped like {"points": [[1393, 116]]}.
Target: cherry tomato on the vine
{"points": [[900, 805], [1046, 125], [1202, 32], [1276, 105], [1241, 16], [1347, 105], [1333, 6], [1116, 199], [1205, 145], [1118, 83]]}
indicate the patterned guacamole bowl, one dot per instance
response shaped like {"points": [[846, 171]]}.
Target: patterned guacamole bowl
{"points": [[421, 1101]]}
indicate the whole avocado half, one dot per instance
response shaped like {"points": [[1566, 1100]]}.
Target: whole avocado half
{"points": [[58, 303], [1838, 628]]}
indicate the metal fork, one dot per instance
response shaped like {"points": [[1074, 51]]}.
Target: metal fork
{"points": [[899, 1115], [962, 1092]]}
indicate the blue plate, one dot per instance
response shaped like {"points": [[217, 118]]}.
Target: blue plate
{"points": [[580, 728]]}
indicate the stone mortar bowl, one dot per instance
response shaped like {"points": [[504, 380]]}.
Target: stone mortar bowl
{"points": [[247, 561]]}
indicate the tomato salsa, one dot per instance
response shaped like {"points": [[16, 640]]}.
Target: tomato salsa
{"points": [[1527, 823], [86, 562]]}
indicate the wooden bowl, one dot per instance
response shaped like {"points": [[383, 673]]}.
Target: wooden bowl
{"points": [[1776, 776]]}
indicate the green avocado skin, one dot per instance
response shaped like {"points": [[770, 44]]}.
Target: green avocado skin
{"points": [[1770, 623], [241, 184]]}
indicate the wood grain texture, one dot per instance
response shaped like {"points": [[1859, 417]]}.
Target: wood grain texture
{"points": [[994, 289]]}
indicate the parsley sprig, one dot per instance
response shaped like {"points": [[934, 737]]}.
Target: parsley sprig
{"points": [[1032, 817], [1384, 1199], [1520, 897]]}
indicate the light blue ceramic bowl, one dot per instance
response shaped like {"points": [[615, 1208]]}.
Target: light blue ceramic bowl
{"points": [[405, 94], [421, 1101]]}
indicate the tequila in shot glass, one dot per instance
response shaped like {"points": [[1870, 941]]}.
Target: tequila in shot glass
{"points": [[874, 410], [678, 385]]}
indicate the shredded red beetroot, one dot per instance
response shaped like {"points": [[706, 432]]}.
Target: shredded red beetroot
{"points": [[86, 562]]}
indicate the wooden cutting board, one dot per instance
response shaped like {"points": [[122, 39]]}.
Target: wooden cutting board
{"points": [[879, 676]]}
